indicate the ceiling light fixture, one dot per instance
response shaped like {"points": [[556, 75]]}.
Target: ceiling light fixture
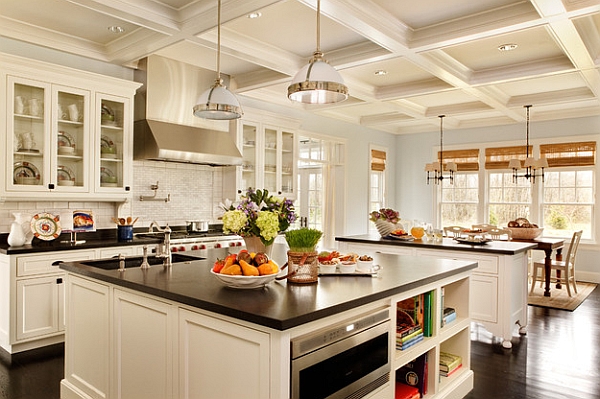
{"points": [[116, 29], [530, 164], [217, 102], [254, 15], [507, 47], [435, 170], [380, 72], [318, 82]]}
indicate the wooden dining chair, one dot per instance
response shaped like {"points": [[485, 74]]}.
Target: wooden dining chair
{"points": [[484, 226], [454, 231], [499, 234], [566, 267]]}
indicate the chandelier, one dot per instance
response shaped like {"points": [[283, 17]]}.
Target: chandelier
{"points": [[532, 166], [217, 102], [318, 82], [435, 170]]}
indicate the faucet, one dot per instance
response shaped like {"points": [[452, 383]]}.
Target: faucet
{"points": [[163, 250]]}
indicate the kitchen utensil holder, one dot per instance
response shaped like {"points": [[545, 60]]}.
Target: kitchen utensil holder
{"points": [[124, 232]]}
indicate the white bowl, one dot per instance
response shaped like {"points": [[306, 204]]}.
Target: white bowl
{"points": [[327, 269], [66, 150], [66, 183], [244, 282], [27, 180], [364, 265], [347, 267]]}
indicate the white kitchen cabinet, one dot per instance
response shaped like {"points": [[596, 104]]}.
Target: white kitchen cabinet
{"points": [[56, 128], [142, 352], [270, 153]]}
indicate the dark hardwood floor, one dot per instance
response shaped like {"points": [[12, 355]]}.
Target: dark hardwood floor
{"points": [[558, 358]]}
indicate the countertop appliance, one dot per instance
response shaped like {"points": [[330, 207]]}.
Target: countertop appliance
{"points": [[346, 360]]}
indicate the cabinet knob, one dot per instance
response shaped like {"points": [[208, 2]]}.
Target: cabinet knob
{"points": [[59, 281], [51, 186], [127, 188]]}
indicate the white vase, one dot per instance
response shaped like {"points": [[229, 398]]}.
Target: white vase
{"points": [[385, 228], [254, 244], [16, 237]]}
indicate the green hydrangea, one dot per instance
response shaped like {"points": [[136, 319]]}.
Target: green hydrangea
{"points": [[234, 221], [268, 223]]}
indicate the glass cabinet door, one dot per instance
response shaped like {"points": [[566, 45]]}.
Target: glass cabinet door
{"points": [[270, 156], [112, 143], [71, 128], [288, 164], [249, 156], [27, 129]]}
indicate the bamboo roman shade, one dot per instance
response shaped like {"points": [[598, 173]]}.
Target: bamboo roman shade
{"points": [[498, 157], [569, 154], [465, 160], [378, 160]]}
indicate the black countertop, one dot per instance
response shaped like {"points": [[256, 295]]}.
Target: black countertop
{"points": [[279, 305], [492, 247]]}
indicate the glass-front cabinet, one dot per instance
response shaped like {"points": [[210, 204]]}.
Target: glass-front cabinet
{"points": [[71, 142], [269, 158]]}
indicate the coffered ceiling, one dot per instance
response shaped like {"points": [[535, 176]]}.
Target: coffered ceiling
{"points": [[439, 57]]}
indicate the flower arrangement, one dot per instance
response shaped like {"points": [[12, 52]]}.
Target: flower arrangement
{"points": [[258, 214], [386, 214]]}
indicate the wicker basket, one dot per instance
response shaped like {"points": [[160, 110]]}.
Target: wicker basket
{"points": [[525, 233], [385, 228]]}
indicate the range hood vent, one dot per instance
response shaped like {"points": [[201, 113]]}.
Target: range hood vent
{"points": [[163, 141]]}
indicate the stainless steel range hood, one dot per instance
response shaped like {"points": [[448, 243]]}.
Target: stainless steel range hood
{"points": [[163, 141], [165, 128]]}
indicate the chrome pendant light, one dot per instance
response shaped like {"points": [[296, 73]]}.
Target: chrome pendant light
{"points": [[217, 102], [532, 166], [435, 170], [318, 82]]}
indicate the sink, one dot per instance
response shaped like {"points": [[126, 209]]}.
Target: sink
{"points": [[136, 261]]}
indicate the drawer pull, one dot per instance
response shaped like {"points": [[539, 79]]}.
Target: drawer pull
{"points": [[58, 262], [59, 281]]}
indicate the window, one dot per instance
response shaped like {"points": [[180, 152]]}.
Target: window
{"points": [[376, 183], [568, 193], [507, 200], [460, 200]]}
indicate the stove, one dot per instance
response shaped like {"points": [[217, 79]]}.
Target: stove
{"points": [[198, 243]]}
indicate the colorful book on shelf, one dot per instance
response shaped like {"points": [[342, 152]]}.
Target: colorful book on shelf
{"points": [[407, 344], [412, 307], [449, 316], [413, 333], [414, 373], [405, 391], [448, 374], [449, 362], [428, 314], [408, 331]]}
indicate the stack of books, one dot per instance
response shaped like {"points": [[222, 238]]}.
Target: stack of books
{"points": [[449, 363], [404, 391], [414, 374], [448, 316], [409, 323]]}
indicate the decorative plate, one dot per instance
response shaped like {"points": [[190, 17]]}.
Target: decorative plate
{"points": [[45, 226], [106, 142], [64, 173], [105, 172], [83, 221], [65, 140], [107, 112], [25, 169], [404, 237]]}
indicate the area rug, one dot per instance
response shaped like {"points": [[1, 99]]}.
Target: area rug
{"points": [[560, 299]]}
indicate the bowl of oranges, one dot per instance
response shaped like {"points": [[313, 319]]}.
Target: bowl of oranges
{"points": [[245, 270]]}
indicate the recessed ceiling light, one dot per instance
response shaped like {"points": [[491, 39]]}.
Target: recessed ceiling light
{"points": [[507, 47], [380, 72], [254, 15], [116, 29]]}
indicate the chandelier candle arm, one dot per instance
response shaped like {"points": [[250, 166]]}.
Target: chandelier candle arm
{"points": [[217, 102], [435, 170], [531, 165]]}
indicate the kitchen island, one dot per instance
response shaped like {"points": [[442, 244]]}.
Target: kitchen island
{"points": [[498, 285], [170, 333]]}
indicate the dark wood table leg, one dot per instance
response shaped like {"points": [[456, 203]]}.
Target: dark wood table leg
{"points": [[547, 271], [559, 259]]}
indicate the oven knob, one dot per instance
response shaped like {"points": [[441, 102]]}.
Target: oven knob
{"points": [[194, 247], [217, 245], [174, 249], [232, 244], [238, 244], [182, 248], [202, 246]]}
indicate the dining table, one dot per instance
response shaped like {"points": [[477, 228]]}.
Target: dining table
{"points": [[549, 245]]}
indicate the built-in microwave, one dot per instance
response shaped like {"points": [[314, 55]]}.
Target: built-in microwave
{"points": [[346, 360]]}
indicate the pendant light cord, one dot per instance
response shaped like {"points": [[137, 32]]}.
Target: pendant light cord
{"points": [[318, 26], [527, 127], [441, 142], [219, 42]]}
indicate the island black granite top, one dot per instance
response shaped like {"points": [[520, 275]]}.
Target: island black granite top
{"points": [[491, 247], [279, 305]]}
